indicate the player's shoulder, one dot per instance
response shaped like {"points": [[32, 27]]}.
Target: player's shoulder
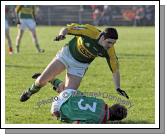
{"points": [[92, 27]]}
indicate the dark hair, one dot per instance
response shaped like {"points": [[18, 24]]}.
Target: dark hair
{"points": [[110, 33], [117, 112]]}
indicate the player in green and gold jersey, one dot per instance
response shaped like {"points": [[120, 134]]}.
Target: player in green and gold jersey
{"points": [[25, 15], [87, 44]]}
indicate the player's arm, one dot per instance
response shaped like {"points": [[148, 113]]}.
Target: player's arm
{"points": [[63, 32], [113, 63], [33, 13], [17, 10], [112, 60], [83, 30], [78, 30]]}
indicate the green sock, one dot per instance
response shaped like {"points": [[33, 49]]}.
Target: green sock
{"points": [[34, 88], [56, 82]]}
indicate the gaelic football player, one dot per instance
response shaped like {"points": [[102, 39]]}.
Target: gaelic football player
{"points": [[25, 15], [87, 44]]}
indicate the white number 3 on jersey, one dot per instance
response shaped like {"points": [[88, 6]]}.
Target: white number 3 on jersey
{"points": [[87, 106]]}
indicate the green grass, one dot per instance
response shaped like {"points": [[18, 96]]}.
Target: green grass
{"points": [[135, 50]]}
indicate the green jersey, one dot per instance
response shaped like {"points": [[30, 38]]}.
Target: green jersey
{"points": [[84, 46], [25, 11], [84, 109]]}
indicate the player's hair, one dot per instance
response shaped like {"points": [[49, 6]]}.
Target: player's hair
{"points": [[111, 33], [117, 112]]}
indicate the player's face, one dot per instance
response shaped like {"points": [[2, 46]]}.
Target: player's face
{"points": [[107, 43]]}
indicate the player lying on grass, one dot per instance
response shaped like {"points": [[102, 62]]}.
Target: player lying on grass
{"points": [[71, 106], [87, 44]]}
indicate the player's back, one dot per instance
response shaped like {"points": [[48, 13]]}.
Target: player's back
{"points": [[83, 109]]}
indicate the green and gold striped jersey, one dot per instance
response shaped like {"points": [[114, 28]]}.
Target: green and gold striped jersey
{"points": [[84, 46], [25, 11]]}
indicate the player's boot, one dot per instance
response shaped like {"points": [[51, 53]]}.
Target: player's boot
{"points": [[27, 94], [10, 50], [41, 51]]}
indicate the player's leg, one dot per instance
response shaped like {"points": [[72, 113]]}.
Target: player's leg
{"points": [[75, 73], [18, 38], [7, 35], [73, 78], [32, 27], [72, 81], [35, 40], [54, 68], [58, 85]]}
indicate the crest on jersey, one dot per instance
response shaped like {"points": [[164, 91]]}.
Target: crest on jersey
{"points": [[87, 44]]}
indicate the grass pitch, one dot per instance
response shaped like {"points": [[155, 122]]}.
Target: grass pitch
{"points": [[135, 50]]}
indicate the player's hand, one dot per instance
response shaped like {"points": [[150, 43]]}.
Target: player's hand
{"points": [[122, 92], [59, 37]]}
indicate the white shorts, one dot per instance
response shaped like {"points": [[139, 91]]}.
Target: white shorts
{"points": [[6, 25], [73, 66], [27, 23]]}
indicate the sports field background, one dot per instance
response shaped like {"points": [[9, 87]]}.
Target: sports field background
{"points": [[135, 51]]}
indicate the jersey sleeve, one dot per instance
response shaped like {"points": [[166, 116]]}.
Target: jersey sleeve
{"points": [[83, 30], [112, 60]]}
